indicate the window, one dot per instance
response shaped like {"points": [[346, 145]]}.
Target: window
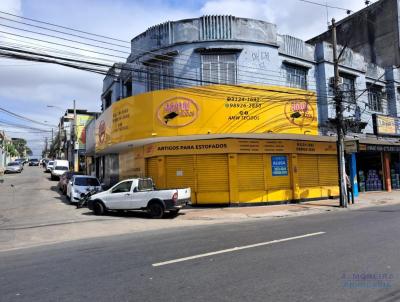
{"points": [[296, 76], [128, 88], [375, 98], [86, 181], [218, 68], [107, 100], [145, 185], [123, 187], [348, 89], [159, 74]]}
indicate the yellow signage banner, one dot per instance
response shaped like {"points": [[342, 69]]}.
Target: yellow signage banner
{"points": [[220, 109], [239, 146]]}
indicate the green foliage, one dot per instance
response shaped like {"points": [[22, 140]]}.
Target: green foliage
{"points": [[11, 150]]}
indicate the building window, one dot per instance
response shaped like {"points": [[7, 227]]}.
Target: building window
{"points": [[375, 98], [128, 88], [296, 76], [218, 69], [107, 100], [159, 74], [348, 89]]}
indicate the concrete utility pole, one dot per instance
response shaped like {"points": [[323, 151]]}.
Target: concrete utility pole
{"points": [[75, 132], [339, 122]]}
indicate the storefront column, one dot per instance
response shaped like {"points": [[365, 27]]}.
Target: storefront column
{"points": [[386, 171], [233, 179], [161, 181], [353, 174], [295, 176]]}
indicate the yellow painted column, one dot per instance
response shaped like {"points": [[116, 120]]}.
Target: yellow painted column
{"points": [[233, 179], [162, 181], [267, 168], [295, 176]]}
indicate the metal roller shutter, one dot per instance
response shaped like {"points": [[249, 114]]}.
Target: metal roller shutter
{"points": [[250, 171], [152, 169], [308, 171], [180, 171], [328, 170], [212, 173]]}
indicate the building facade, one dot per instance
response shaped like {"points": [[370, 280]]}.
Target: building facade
{"points": [[232, 109]]}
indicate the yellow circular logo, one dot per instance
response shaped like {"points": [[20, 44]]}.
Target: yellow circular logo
{"points": [[299, 113], [177, 112]]}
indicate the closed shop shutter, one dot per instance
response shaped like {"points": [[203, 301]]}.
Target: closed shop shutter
{"points": [[152, 169], [180, 171], [250, 171], [212, 173], [328, 170], [308, 170]]}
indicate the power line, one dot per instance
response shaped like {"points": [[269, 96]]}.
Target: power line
{"points": [[24, 118], [64, 33], [64, 27]]}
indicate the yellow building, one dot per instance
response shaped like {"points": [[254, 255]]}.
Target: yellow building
{"points": [[230, 144]]}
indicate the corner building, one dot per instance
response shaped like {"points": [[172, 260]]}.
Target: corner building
{"points": [[223, 105]]}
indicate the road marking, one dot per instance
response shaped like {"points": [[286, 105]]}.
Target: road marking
{"points": [[234, 249]]}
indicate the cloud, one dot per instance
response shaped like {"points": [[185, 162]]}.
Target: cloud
{"points": [[12, 6], [294, 17]]}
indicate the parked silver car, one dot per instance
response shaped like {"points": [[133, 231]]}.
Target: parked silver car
{"points": [[13, 167]]}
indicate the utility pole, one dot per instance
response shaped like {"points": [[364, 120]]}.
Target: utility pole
{"points": [[339, 122], [75, 132], [59, 140]]}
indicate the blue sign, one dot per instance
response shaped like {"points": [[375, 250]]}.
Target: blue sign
{"points": [[279, 165]]}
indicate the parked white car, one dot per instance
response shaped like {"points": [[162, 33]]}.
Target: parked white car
{"points": [[49, 166], [59, 168], [81, 184], [139, 194], [13, 167]]}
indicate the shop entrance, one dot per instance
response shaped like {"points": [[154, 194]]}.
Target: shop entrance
{"points": [[395, 170], [370, 171]]}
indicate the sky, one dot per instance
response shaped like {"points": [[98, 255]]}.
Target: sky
{"points": [[27, 88]]}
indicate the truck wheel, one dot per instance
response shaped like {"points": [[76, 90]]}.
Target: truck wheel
{"points": [[155, 209], [98, 208]]}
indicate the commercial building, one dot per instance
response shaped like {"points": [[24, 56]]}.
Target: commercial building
{"points": [[232, 109], [374, 32], [71, 141]]}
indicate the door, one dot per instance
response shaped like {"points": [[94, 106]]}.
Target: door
{"points": [[141, 194], [120, 196]]}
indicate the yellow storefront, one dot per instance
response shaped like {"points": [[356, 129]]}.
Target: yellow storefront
{"points": [[220, 146]]}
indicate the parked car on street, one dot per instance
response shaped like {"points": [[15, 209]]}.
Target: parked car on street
{"points": [[34, 162], [21, 161], [64, 179], [49, 166], [139, 194], [13, 167], [79, 184], [59, 168]]}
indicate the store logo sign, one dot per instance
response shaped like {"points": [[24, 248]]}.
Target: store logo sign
{"points": [[102, 132], [177, 112], [299, 113]]}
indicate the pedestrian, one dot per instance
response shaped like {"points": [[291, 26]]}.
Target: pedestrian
{"points": [[349, 189]]}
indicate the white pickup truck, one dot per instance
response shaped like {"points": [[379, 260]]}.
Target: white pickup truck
{"points": [[139, 194]]}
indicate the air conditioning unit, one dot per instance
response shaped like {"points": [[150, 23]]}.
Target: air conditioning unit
{"points": [[332, 81]]}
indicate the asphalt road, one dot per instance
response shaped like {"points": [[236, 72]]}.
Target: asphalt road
{"points": [[32, 199], [355, 259]]}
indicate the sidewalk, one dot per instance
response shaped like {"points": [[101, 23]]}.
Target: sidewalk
{"points": [[285, 210], [130, 222]]}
